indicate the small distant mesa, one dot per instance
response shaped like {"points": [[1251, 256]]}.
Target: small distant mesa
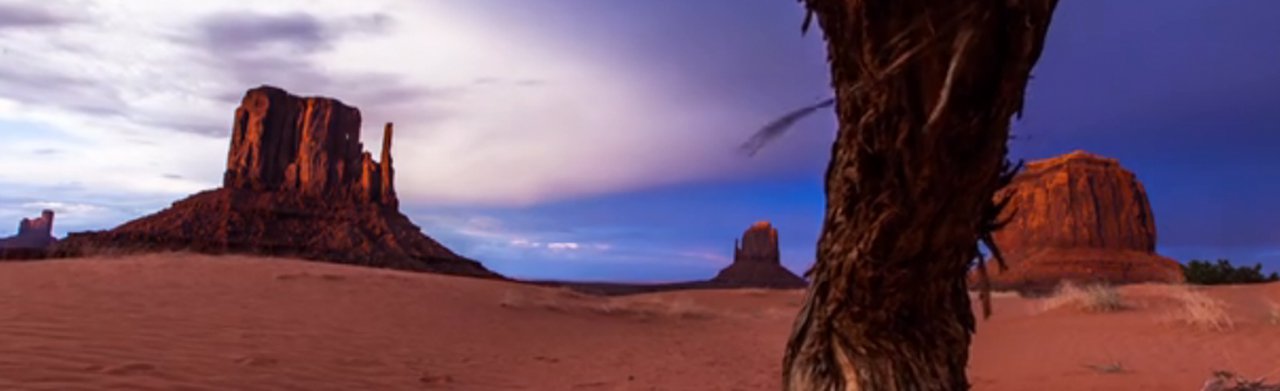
{"points": [[1078, 217], [34, 238], [298, 183], [757, 262]]}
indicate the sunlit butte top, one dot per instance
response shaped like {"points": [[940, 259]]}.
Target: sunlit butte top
{"points": [[1074, 156]]}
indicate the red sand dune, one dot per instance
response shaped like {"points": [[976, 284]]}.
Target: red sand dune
{"points": [[196, 322]]}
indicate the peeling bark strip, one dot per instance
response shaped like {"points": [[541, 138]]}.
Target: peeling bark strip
{"points": [[925, 90]]}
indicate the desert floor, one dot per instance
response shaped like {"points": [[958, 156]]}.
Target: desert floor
{"points": [[194, 322]]}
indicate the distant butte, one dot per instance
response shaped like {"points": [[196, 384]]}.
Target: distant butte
{"points": [[298, 183], [757, 262], [34, 237], [1079, 217]]}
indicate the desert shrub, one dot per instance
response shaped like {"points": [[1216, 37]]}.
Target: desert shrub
{"points": [[1109, 368], [1199, 310], [1091, 298], [1229, 381], [1202, 272]]}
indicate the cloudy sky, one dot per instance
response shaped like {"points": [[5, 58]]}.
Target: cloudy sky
{"points": [[587, 139]]}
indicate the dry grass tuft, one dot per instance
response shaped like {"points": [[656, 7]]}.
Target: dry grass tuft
{"points": [[1091, 298], [557, 299], [1229, 381], [654, 307], [566, 300], [688, 309], [1273, 313], [1108, 368], [757, 292], [1197, 309]]}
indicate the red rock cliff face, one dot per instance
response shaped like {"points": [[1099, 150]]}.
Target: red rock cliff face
{"points": [[309, 146], [1079, 217], [756, 262], [1080, 200], [298, 183]]}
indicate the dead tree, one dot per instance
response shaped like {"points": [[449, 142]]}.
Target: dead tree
{"points": [[924, 93]]}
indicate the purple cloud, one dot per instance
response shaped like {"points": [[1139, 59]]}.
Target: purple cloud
{"points": [[14, 16]]}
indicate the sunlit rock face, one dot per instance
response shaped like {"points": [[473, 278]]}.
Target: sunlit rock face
{"points": [[306, 146], [1079, 217]]}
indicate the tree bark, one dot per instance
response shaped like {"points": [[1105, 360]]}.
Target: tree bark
{"points": [[925, 90]]}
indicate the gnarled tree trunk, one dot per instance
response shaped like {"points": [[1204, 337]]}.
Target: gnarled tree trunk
{"points": [[925, 90]]}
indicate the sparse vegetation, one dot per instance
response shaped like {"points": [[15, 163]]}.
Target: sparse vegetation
{"points": [[559, 299], [1110, 368], [1229, 381], [566, 300], [686, 308], [1273, 313], [1199, 310], [1091, 298], [1203, 272]]}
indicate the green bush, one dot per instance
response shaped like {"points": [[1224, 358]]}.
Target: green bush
{"points": [[1222, 272]]}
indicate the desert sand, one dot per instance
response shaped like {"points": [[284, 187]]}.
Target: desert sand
{"points": [[196, 322]]}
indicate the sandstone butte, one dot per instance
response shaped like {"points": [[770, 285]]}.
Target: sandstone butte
{"points": [[757, 262], [34, 237], [298, 183], [1078, 217]]}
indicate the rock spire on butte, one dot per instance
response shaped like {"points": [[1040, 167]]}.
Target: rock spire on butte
{"points": [[1079, 217], [757, 263], [298, 183]]}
